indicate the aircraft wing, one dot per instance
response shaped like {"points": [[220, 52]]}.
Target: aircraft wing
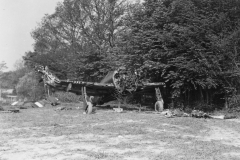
{"points": [[92, 88]]}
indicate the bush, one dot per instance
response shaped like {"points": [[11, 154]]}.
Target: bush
{"points": [[234, 101], [203, 106], [66, 97], [29, 87]]}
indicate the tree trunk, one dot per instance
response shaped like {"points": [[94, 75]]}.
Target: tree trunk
{"points": [[226, 105], [201, 94], [207, 96]]}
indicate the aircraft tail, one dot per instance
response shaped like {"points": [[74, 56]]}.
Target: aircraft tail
{"points": [[47, 76]]}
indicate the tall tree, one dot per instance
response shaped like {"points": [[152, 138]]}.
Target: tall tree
{"points": [[29, 87], [3, 66], [10, 79], [77, 37], [186, 43]]}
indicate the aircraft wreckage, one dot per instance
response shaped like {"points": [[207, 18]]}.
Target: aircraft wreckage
{"points": [[115, 86]]}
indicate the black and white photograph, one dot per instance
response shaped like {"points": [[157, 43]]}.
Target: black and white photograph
{"points": [[120, 80]]}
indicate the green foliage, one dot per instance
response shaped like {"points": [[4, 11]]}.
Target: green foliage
{"points": [[67, 97]]}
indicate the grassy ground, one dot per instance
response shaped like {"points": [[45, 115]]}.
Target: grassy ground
{"points": [[45, 133]]}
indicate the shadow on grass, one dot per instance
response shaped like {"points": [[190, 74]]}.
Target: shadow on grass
{"points": [[124, 107], [104, 107]]}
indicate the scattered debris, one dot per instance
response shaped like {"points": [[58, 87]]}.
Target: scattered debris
{"points": [[118, 109], [62, 108], [53, 100], [23, 107], [38, 104], [14, 103], [10, 111], [199, 114], [175, 113], [17, 103], [29, 105], [195, 113], [44, 102], [223, 117], [217, 117]]}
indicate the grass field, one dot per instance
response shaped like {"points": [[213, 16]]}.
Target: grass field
{"points": [[44, 133]]}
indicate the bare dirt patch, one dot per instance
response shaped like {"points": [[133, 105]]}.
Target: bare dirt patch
{"points": [[48, 134]]}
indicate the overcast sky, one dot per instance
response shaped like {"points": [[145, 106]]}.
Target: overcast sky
{"points": [[17, 19]]}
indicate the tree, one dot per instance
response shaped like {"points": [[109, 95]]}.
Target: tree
{"points": [[181, 42], [75, 39], [192, 45], [19, 64], [10, 79], [3, 66], [29, 87]]}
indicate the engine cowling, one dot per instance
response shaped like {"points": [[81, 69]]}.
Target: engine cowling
{"points": [[125, 80]]}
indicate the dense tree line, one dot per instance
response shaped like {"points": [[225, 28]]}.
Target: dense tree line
{"points": [[191, 45]]}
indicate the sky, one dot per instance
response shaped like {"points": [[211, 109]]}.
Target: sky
{"points": [[18, 18]]}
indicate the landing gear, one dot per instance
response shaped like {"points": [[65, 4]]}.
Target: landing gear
{"points": [[159, 104], [87, 104], [88, 108]]}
